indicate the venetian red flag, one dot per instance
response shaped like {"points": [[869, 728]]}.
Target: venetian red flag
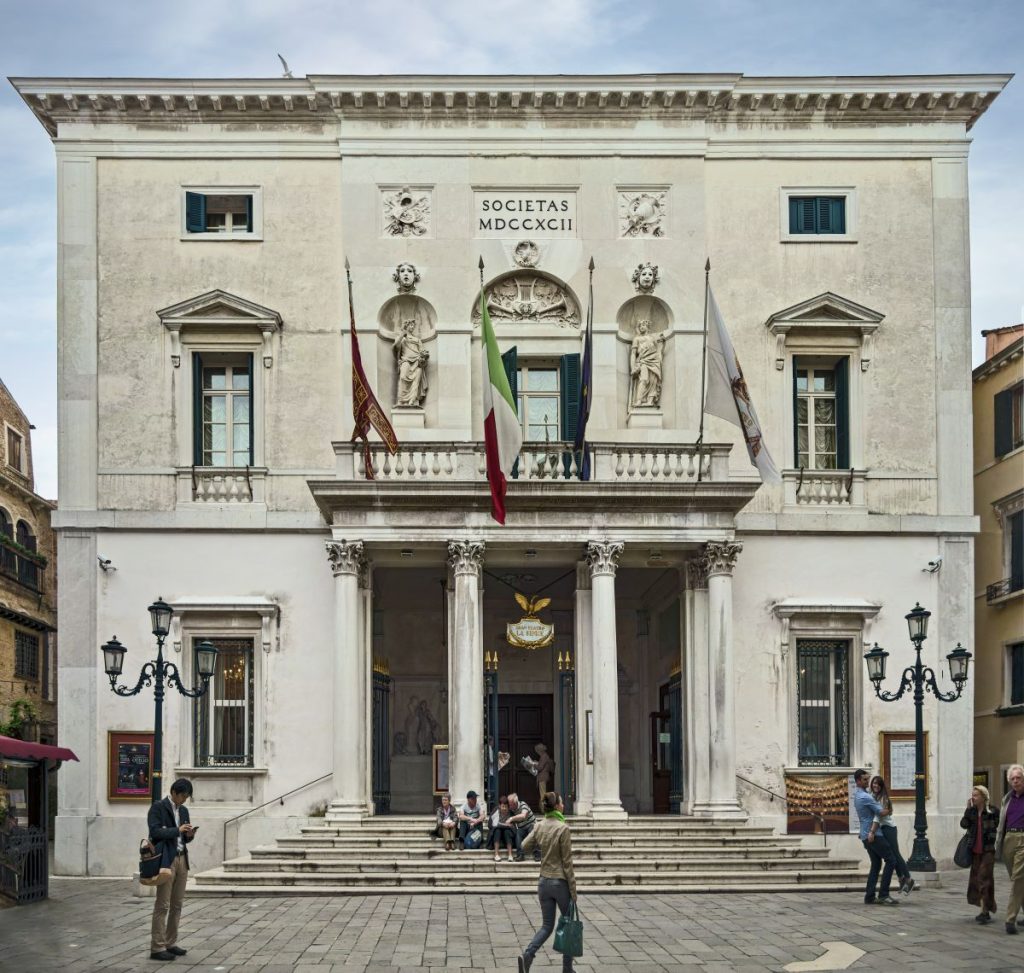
{"points": [[365, 407]]}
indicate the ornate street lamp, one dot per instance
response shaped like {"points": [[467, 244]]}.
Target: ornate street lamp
{"points": [[155, 674], [919, 678]]}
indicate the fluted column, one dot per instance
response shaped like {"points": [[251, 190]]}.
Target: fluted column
{"points": [[346, 559], [719, 560], [466, 693], [696, 666], [602, 557], [584, 688]]}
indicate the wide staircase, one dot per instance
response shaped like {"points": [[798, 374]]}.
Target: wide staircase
{"points": [[389, 855]]}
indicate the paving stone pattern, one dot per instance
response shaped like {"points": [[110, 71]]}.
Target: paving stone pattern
{"points": [[97, 925]]}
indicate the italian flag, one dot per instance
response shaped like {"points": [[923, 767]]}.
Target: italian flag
{"points": [[503, 436]]}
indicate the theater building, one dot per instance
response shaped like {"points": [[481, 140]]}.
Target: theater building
{"points": [[701, 654]]}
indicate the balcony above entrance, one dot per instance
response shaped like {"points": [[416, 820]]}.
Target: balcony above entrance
{"points": [[655, 486]]}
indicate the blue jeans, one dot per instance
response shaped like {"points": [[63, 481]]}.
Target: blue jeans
{"points": [[889, 832], [550, 892], [879, 852]]}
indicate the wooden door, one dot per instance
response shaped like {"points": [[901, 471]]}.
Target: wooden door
{"points": [[524, 720]]}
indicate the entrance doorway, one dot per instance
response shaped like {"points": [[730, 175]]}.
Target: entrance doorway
{"points": [[524, 720]]}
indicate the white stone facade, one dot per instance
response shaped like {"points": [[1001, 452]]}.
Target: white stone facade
{"points": [[668, 562]]}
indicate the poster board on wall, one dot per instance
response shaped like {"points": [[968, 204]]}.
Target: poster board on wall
{"points": [[898, 760], [819, 803], [440, 769], [129, 765]]}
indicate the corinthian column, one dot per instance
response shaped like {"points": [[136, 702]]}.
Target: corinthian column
{"points": [[466, 695], [696, 665], [602, 557], [719, 560], [346, 560]]}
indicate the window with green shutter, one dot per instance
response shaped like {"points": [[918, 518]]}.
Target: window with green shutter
{"points": [[817, 215], [821, 414], [221, 213]]}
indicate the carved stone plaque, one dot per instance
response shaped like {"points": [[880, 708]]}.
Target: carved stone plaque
{"points": [[530, 296], [538, 213], [643, 213], [406, 212]]}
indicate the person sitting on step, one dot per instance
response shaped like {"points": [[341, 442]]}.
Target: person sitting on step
{"points": [[447, 822], [523, 820], [502, 833], [472, 815]]}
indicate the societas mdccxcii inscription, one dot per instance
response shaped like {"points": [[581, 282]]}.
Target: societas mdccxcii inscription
{"points": [[516, 212]]}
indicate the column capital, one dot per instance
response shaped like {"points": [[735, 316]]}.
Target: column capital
{"points": [[466, 557], [345, 557], [603, 557], [697, 573], [719, 557]]}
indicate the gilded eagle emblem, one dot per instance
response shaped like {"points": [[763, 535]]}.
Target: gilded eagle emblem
{"points": [[532, 604]]}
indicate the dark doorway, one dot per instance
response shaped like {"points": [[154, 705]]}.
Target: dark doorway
{"points": [[524, 720]]}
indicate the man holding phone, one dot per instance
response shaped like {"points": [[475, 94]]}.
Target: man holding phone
{"points": [[170, 831]]}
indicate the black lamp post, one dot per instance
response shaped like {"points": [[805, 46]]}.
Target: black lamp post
{"points": [[113, 661], [919, 677]]}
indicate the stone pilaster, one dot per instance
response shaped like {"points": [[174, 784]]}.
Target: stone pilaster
{"points": [[696, 666], [603, 557]]}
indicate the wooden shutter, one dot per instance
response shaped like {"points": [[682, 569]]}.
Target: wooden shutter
{"points": [[831, 214], [842, 373], [569, 392], [195, 212], [1016, 525], [252, 403], [511, 362], [796, 435], [1004, 422], [802, 215], [248, 214], [197, 409]]}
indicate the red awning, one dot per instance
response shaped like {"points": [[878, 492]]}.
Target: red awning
{"points": [[9, 747]]}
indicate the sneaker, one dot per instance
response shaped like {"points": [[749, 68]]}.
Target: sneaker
{"points": [[983, 917], [886, 900], [909, 886], [497, 858]]}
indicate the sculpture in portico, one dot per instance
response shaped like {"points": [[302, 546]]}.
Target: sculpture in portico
{"points": [[646, 277], [406, 276], [645, 360], [406, 213], [412, 365]]}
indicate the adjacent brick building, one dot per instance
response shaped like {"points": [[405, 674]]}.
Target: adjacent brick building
{"points": [[28, 585]]}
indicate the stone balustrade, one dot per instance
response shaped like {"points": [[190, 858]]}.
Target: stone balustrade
{"points": [[824, 488], [221, 485], [609, 462]]}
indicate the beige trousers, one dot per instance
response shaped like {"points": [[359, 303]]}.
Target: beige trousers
{"points": [[167, 909], [1013, 859]]}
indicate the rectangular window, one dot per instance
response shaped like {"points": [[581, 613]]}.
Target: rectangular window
{"points": [[538, 402], [823, 702], [223, 410], [221, 213], [821, 414], [1016, 673], [224, 715], [1009, 419], [26, 655], [15, 450], [817, 214]]}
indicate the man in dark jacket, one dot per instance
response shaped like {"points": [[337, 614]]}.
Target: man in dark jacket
{"points": [[170, 831]]}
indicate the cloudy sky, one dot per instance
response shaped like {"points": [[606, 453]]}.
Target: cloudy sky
{"points": [[214, 38]]}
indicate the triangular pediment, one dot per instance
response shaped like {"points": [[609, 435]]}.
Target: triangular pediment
{"points": [[827, 309], [218, 307]]}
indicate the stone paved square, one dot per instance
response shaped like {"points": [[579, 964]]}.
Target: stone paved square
{"points": [[98, 925]]}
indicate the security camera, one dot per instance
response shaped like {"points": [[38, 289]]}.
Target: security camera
{"points": [[106, 564], [933, 566]]}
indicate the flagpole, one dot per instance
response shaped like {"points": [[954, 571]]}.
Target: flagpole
{"points": [[703, 372], [583, 469]]}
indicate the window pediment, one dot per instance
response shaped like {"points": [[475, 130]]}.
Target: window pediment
{"points": [[218, 310], [826, 316]]}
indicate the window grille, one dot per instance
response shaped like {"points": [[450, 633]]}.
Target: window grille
{"points": [[823, 703], [225, 720]]}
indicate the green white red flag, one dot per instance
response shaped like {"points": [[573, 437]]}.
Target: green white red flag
{"points": [[503, 436]]}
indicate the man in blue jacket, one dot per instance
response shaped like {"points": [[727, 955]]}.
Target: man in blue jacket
{"points": [[170, 831], [875, 845]]}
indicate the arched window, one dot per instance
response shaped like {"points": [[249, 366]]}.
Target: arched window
{"points": [[8, 559], [25, 537], [6, 527]]}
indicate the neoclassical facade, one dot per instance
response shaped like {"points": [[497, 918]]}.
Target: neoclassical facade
{"points": [[699, 649]]}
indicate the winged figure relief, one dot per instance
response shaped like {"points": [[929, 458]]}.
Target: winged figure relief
{"points": [[532, 604]]}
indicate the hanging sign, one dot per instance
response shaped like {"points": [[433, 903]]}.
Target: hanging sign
{"points": [[530, 632]]}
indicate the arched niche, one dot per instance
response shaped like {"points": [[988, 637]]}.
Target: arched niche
{"points": [[406, 307], [644, 307], [530, 296]]}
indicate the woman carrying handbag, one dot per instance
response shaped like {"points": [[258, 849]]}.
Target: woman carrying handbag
{"points": [[981, 821], [557, 885]]}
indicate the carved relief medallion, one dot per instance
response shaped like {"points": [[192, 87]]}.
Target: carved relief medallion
{"points": [[529, 296], [406, 212], [526, 254], [642, 213]]}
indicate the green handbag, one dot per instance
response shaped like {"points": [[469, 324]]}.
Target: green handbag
{"points": [[569, 932]]}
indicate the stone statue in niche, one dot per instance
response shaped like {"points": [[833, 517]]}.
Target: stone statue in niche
{"points": [[406, 213], [645, 278], [645, 358], [529, 296], [412, 365], [642, 214], [406, 277]]}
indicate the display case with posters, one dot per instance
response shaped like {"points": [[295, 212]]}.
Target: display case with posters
{"points": [[129, 766]]}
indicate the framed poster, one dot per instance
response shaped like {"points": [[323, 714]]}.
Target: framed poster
{"points": [[129, 765], [590, 736], [981, 779], [899, 757], [818, 803], [440, 769]]}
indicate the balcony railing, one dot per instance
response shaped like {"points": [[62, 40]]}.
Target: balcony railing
{"points": [[19, 567], [554, 461], [1000, 590], [824, 488]]}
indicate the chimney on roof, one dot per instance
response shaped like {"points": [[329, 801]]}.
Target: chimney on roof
{"points": [[996, 339]]}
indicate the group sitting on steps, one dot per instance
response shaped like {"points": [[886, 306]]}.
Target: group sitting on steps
{"points": [[468, 827]]}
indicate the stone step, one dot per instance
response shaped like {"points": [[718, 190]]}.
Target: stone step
{"points": [[437, 854], [423, 825]]}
